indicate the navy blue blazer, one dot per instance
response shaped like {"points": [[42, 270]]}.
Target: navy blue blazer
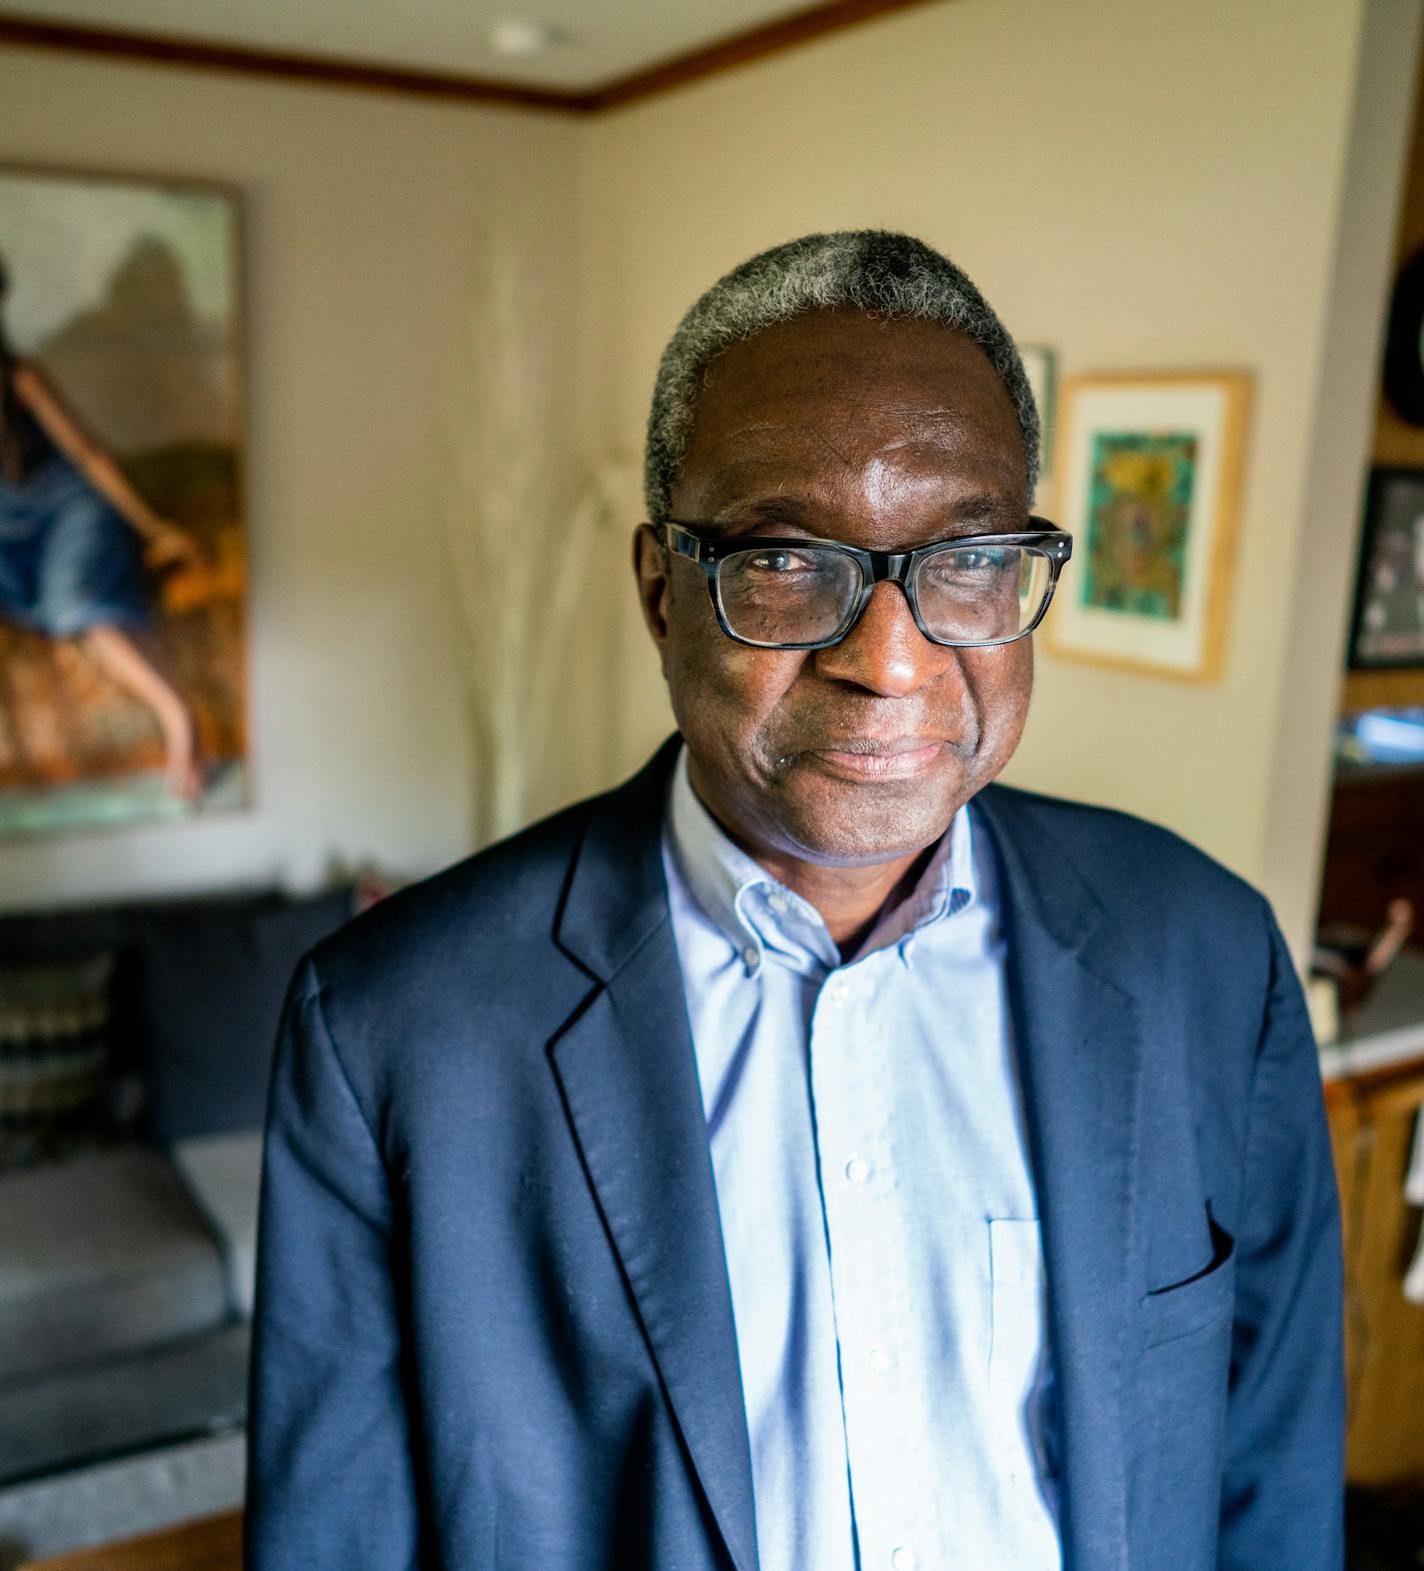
{"points": [[493, 1325]]}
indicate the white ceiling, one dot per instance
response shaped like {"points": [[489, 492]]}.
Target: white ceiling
{"points": [[603, 39]]}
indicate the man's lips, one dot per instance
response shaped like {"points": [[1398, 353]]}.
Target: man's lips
{"points": [[863, 758]]}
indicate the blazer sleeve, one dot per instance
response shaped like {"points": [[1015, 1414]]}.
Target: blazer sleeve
{"points": [[330, 1478], [1283, 1481]]}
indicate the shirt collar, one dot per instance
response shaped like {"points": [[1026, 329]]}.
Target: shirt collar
{"points": [[760, 916]]}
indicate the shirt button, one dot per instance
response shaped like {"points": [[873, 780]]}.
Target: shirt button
{"points": [[839, 992], [879, 1360], [904, 1559], [858, 1170], [750, 957], [779, 903]]}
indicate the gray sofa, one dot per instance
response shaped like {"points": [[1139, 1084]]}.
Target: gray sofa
{"points": [[126, 1255]]}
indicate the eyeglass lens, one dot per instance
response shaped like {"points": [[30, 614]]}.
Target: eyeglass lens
{"points": [[804, 595]]}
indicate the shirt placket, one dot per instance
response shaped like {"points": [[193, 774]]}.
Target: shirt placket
{"points": [[885, 1446]]}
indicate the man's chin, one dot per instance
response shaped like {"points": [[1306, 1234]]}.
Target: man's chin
{"points": [[859, 823]]}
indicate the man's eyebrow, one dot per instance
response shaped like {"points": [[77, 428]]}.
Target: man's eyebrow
{"points": [[787, 512], [982, 508], [979, 512]]}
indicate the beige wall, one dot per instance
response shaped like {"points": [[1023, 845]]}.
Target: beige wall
{"points": [[363, 214], [1154, 186]]}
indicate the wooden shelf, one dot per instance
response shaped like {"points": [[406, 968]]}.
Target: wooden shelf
{"points": [[1382, 689], [212, 1543]]}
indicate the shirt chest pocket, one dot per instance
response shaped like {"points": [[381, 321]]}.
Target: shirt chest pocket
{"points": [[1020, 1379]]}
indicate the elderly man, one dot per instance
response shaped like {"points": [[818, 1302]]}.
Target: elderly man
{"points": [[810, 1156]]}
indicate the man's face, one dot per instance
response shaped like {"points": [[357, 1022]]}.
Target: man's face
{"points": [[885, 435]]}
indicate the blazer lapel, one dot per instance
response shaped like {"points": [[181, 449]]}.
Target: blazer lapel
{"points": [[1079, 1049], [629, 1078]]}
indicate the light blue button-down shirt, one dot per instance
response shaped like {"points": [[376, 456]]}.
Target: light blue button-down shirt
{"points": [[877, 1211]]}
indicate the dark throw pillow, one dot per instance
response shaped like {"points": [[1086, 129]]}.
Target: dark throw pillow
{"points": [[54, 1056]]}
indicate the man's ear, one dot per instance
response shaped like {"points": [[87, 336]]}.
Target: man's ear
{"points": [[650, 562]]}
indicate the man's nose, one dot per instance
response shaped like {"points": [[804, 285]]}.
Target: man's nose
{"points": [[885, 652]]}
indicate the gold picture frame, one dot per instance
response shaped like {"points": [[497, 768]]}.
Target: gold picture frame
{"points": [[1149, 470]]}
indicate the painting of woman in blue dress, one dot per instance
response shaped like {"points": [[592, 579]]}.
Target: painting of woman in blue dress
{"points": [[77, 546]]}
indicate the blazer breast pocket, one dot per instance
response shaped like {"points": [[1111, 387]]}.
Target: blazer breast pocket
{"points": [[1201, 1300]]}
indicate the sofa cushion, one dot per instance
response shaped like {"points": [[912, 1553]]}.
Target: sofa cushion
{"points": [[213, 985], [54, 1022], [135, 1399], [99, 1255], [224, 1174], [122, 1498]]}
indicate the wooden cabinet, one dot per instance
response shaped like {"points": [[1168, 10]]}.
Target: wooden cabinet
{"points": [[1375, 847], [1372, 1124]]}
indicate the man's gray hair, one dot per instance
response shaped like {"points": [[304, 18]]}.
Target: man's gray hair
{"points": [[888, 275]]}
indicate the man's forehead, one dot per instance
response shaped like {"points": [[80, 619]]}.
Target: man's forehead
{"points": [[760, 454], [851, 382], [768, 418], [745, 492], [845, 339], [907, 382]]}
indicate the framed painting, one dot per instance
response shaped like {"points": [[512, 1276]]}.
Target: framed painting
{"points": [[122, 562], [1387, 630], [1149, 480]]}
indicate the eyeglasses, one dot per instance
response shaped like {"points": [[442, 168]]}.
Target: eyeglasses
{"points": [[794, 592]]}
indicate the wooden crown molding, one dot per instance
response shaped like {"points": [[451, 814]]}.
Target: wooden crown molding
{"points": [[312, 70], [755, 43]]}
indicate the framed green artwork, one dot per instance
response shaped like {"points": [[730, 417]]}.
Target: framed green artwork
{"points": [[1148, 482]]}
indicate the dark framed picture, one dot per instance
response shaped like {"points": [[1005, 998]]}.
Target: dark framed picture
{"points": [[1404, 343], [122, 539], [1388, 626]]}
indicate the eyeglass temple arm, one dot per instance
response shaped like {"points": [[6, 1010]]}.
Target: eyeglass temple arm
{"points": [[680, 542]]}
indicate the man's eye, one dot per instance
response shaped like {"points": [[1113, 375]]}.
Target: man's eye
{"points": [[977, 562], [780, 563]]}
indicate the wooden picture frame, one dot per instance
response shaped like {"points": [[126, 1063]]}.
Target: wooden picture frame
{"points": [[1387, 624], [1148, 478]]}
